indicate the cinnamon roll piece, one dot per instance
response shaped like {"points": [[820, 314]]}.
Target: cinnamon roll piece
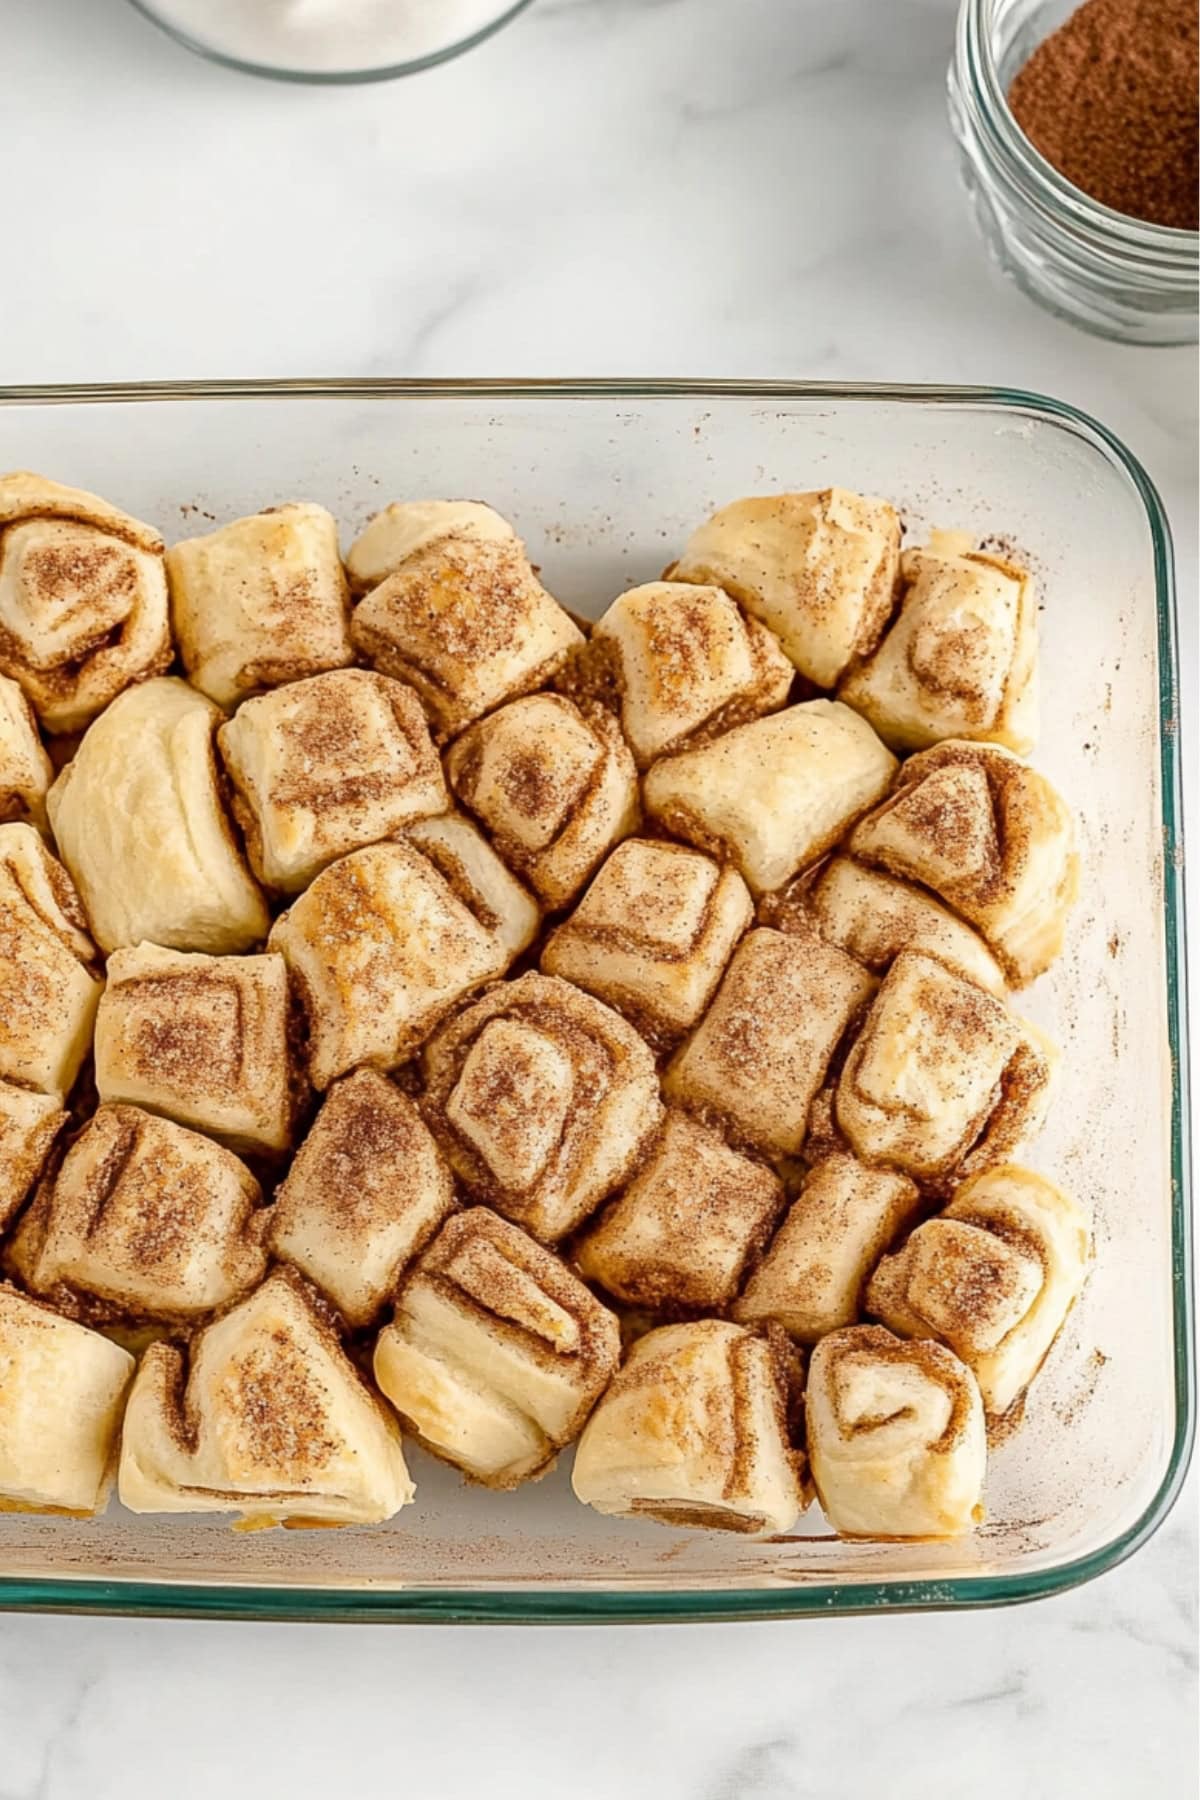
{"points": [[761, 1052], [497, 1353], [204, 1040], [260, 602], [323, 766], [83, 599], [139, 823], [264, 1415], [942, 1077], [366, 1191], [774, 795], [819, 569], [960, 660], [684, 662], [29, 1124], [896, 1436], [682, 1234], [873, 916], [553, 784], [993, 1276], [471, 868], [380, 947], [459, 612], [25, 770], [49, 972], [992, 838], [541, 1099], [653, 934], [62, 1389], [814, 1273], [694, 1432], [145, 1217]]}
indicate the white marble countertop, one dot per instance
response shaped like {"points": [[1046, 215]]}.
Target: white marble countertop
{"points": [[609, 187]]}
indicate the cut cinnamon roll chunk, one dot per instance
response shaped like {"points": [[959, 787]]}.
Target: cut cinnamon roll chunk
{"points": [[264, 1415], [144, 1216], [553, 784], [49, 979], [992, 838], [473, 871], [693, 1218], [497, 1353], [204, 1040], [684, 661], [774, 795], [694, 1432], [139, 823], [323, 766], [29, 1124], [541, 1099], [942, 1077], [993, 1276], [762, 1050], [652, 934], [365, 1192], [873, 916], [960, 660], [819, 569], [896, 1436], [407, 526], [460, 615], [380, 947], [83, 599], [60, 1410], [25, 770], [812, 1278], [260, 602]]}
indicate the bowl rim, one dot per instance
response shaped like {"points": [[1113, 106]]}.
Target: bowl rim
{"points": [[164, 1598]]}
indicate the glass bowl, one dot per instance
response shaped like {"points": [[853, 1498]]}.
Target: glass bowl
{"points": [[603, 480], [249, 63], [1116, 276]]}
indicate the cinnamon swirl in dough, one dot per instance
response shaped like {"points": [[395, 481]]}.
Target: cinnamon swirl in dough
{"points": [[553, 784], [265, 1415], [942, 1076], [471, 868], [653, 934], [205, 1040], [260, 602], [960, 661], [497, 1353], [49, 971], [324, 766], [694, 1432], [993, 1276], [380, 947], [541, 1099], [774, 795], [681, 1235], [366, 1191], [818, 569], [139, 823], [145, 1217], [762, 1050], [460, 613], [61, 1389], [992, 838], [896, 1436], [684, 662], [83, 599], [812, 1278], [29, 1124], [874, 917], [25, 770]]}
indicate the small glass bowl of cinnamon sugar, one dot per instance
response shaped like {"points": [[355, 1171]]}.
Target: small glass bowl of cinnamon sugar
{"points": [[1119, 275]]}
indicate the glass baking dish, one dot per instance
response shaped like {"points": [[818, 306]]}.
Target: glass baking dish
{"points": [[604, 479]]}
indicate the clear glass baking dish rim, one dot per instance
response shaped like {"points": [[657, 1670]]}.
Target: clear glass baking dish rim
{"points": [[1159, 253], [549, 1606]]}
